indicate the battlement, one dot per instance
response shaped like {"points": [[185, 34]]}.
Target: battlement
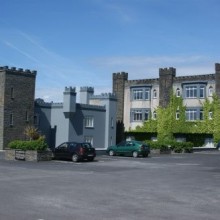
{"points": [[91, 107], [120, 75], [86, 89], [205, 77], [70, 89], [167, 71], [104, 96], [18, 70], [217, 67], [142, 81]]}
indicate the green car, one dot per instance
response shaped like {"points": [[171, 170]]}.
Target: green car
{"points": [[129, 148]]}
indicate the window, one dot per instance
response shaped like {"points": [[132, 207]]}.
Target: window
{"points": [[177, 115], [137, 116], [202, 92], [12, 93], [147, 94], [191, 114], [191, 91], [112, 123], [155, 94], [210, 115], [154, 115], [201, 115], [88, 139], [26, 116], [11, 120], [138, 94], [89, 121], [210, 91], [146, 115], [178, 92]]}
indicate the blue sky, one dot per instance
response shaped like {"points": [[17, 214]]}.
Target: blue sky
{"points": [[82, 42]]}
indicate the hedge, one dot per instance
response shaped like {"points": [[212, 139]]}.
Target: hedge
{"points": [[38, 145]]}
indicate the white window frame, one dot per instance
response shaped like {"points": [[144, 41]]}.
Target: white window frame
{"points": [[202, 92], [138, 94], [89, 122], [177, 92], [137, 115], [177, 115], [191, 92], [211, 91], [154, 93], [191, 115], [210, 115]]}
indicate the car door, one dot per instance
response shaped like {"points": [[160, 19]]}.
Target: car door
{"points": [[121, 147], [129, 148], [61, 151]]}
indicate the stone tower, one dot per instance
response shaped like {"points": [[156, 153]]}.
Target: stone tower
{"points": [[119, 80], [166, 76], [217, 79], [17, 90]]}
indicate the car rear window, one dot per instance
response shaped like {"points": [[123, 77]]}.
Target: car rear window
{"points": [[87, 145]]}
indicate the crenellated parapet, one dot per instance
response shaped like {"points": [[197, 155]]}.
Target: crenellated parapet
{"points": [[105, 96], [70, 89], [205, 77], [167, 71], [87, 89], [14, 70], [120, 75]]}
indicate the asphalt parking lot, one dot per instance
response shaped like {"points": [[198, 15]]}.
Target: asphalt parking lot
{"points": [[179, 186]]}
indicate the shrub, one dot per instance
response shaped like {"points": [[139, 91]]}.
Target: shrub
{"points": [[38, 144]]}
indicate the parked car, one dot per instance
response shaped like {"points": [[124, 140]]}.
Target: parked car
{"points": [[74, 151], [129, 148]]}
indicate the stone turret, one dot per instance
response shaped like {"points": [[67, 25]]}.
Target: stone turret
{"points": [[85, 94], [69, 101], [217, 79], [17, 91], [166, 76], [119, 80]]}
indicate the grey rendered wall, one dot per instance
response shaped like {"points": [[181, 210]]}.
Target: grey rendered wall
{"points": [[2, 92], [44, 120]]}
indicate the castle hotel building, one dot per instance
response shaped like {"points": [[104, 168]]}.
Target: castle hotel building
{"points": [[92, 120], [139, 99]]}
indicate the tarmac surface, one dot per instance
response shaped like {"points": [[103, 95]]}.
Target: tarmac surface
{"points": [[171, 187]]}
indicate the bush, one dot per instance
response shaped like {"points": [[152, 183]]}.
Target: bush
{"points": [[177, 147], [38, 144]]}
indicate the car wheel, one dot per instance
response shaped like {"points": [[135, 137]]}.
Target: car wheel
{"points": [[75, 158], [145, 155], [135, 154], [111, 153]]}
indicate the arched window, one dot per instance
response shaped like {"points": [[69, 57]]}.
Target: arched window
{"points": [[178, 92], [210, 91], [155, 93]]}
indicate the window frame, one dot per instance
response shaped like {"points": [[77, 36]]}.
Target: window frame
{"points": [[89, 121]]}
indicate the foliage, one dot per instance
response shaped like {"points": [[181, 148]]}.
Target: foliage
{"points": [[38, 144], [31, 132], [172, 120]]}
